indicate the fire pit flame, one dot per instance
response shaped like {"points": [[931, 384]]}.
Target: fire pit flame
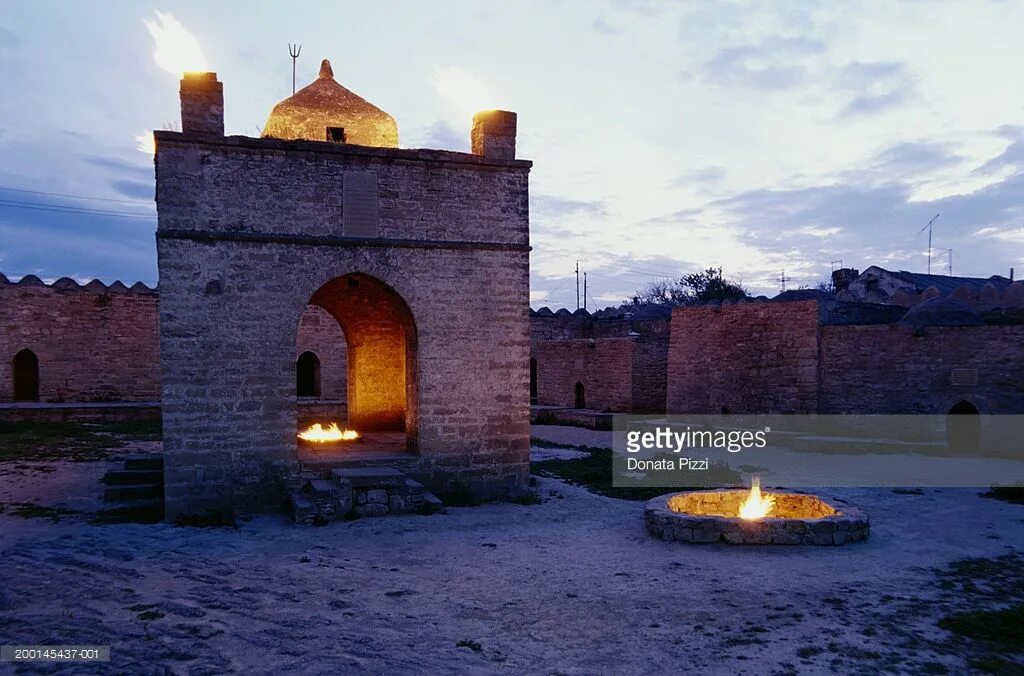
{"points": [[317, 433], [756, 505]]}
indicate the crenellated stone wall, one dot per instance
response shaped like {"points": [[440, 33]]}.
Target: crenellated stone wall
{"points": [[93, 343], [621, 361], [100, 343]]}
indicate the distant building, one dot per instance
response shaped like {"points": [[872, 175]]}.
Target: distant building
{"points": [[879, 285]]}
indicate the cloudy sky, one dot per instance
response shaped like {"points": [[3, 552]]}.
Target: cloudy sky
{"points": [[667, 137]]}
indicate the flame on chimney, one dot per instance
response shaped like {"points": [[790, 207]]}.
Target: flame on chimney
{"points": [[177, 50]]}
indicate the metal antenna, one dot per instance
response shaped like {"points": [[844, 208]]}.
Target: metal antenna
{"points": [[294, 51], [928, 226], [782, 280], [577, 285]]}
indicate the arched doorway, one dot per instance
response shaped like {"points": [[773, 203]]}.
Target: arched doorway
{"points": [[533, 381], [963, 427], [26, 376], [381, 358], [581, 396], [307, 375]]}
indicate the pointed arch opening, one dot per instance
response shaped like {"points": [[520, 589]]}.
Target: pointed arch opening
{"points": [[533, 381], [581, 396], [307, 375], [963, 427], [380, 336], [25, 367]]}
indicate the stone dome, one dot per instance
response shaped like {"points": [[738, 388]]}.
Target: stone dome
{"points": [[326, 111], [943, 311]]}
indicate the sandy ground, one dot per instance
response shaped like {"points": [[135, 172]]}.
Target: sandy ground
{"points": [[573, 585]]}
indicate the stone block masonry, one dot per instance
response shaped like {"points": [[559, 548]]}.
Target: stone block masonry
{"points": [[249, 231], [894, 369], [744, 358], [100, 343], [94, 343]]}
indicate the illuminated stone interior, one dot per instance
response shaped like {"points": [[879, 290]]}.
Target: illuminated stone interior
{"points": [[381, 337]]}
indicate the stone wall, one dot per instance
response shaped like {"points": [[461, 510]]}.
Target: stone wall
{"points": [[100, 343], [604, 367], [94, 343], [893, 369], [320, 334], [744, 358], [249, 230], [650, 373], [623, 370]]}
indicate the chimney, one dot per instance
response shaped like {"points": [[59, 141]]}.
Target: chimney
{"points": [[842, 277], [202, 104], [494, 134]]}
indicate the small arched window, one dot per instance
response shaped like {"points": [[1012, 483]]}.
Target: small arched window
{"points": [[581, 396], [26, 376], [307, 375]]}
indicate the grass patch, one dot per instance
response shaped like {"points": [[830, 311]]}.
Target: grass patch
{"points": [[537, 442], [211, 518], [526, 498], [31, 510], [990, 635], [1002, 628], [1014, 494], [459, 495], [144, 514], [1000, 579], [77, 442], [595, 471], [997, 665]]}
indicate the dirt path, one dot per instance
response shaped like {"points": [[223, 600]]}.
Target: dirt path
{"points": [[573, 585]]}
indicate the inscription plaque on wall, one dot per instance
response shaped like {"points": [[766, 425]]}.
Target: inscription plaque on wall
{"points": [[963, 377], [359, 204]]}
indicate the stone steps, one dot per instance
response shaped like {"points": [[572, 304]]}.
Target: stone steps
{"points": [[133, 492], [144, 462], [361, 492], [120, 477], [137, 490]]}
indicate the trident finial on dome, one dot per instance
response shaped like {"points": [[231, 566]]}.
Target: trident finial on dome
{"points": [[325, 70]]}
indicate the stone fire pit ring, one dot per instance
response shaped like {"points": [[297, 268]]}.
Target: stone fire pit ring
{"points": [[798, 519]]}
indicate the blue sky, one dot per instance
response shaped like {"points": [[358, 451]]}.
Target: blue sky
{"points": [[667, 137]]}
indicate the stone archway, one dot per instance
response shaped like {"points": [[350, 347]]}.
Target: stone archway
{"points": [[26, 376], [963, 427], [380, 333]]}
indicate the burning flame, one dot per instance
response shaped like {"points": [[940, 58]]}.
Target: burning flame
{"points": [[177, 50], [145, 142], [319, 434], [464, 93], [756, 506]]}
